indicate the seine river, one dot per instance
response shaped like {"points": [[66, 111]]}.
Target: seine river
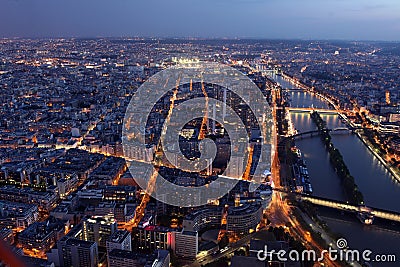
{"points": [[378, 186]]}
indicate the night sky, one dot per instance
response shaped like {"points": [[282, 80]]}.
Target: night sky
{"points": [[272, 19]]}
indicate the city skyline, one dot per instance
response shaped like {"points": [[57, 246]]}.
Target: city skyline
{"points": [[310, 19]]}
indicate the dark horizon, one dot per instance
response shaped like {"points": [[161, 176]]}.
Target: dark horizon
{"points": [[190, 38]]}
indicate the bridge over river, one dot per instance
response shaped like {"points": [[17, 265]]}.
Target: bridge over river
{"points": [[340, 205], [309, 110]]}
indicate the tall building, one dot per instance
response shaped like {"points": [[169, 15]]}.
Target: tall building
{"points": [[155, 237], [187, 244], [74, 252], [119, 240], [98, 229]]}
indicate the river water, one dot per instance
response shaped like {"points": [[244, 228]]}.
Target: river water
{"points": [[379, 187]]}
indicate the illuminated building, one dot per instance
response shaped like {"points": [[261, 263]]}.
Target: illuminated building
{"points": [[237, 200], [17, 215], [41, 236], [119, 193], [98, 229], [200, 219], [156, 237], [243, 218], [45, 200], [186, 244], [74, 252], [387, 96]]}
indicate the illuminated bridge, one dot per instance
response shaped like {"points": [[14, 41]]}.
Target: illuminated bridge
{"points": [[379, 213], [340, 130], [295, 89], [340, 205], [309, 110], [335, 131]]}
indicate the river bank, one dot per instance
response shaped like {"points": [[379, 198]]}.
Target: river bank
{"points": [[383, 161], [363, 139]]}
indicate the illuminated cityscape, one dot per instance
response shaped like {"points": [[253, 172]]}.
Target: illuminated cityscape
{"points": [[67, 190], [162, 151]]}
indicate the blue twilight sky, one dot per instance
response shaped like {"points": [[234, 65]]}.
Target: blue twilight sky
{"points": [[305, 19]]}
